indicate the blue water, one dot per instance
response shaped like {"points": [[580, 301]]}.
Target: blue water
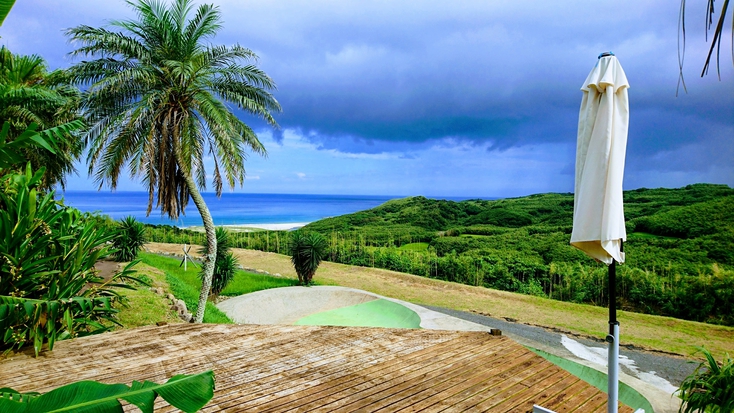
{"points": [[230, 209]]}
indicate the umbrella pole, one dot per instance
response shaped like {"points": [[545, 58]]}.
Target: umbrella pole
{"points": [[613, 340]]}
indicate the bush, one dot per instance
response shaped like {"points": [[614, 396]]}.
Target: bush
{"points": [[129, 240], [307, 252], [710, 388], [225, 264], [49, 289]]}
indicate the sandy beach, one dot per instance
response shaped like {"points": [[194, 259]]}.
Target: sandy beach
{"points": [[258, 227]]}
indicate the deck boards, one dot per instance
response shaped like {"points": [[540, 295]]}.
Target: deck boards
{"points": [[309, 368]]}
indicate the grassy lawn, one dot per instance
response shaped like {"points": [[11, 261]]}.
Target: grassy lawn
{"points": [[143, 307]]}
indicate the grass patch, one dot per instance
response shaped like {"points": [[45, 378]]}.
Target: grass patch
{"points": [[415, 246], [143, 307], [246, 282], [185, 285]]}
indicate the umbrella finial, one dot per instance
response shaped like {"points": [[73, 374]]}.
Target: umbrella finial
{"points": [[605, 54]]}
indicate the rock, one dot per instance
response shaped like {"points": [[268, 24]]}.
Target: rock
{"points": [[171, 297], [179, 307], [186, 317], [277, 274]]}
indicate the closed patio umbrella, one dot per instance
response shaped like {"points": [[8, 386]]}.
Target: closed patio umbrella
{"points": [[598, 213]]}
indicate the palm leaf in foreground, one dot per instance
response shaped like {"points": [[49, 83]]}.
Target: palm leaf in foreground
{"points": [[188, 393]]}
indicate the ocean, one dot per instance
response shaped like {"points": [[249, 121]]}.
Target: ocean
{"points": [[230, 209]]}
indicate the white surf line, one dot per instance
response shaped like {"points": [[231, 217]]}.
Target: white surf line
{"points": [[270, 227], [598, 355]]}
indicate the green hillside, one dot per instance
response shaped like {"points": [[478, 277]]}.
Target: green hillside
{"points": [[680, 248]]}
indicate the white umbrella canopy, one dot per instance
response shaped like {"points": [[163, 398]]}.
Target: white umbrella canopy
{"points": [[598, 215], [598, 212]]}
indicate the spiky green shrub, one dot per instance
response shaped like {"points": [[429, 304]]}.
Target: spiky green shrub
{"points": [[710, 388], [307, 250], [129, 240], [225, 264], [49, 288]]}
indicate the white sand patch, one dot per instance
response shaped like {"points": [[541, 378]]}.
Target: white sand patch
{"points": [[291, 226], [599, 355], [269, 227]]}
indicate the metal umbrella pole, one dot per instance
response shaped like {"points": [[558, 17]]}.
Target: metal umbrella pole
{"points": [[613, 340]]}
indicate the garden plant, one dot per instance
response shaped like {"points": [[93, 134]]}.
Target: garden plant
{"points": [[307, 250], [129, 239]]}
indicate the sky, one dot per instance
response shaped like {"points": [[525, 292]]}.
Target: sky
{"points": [[453, 99]]}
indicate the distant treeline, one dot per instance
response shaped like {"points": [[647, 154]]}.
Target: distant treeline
{"points": [[680, 248]]}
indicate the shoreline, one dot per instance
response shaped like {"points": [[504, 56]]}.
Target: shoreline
{"points": [[291, 226]]}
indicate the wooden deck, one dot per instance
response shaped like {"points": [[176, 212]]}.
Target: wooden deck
{"points": [[304, 368]]}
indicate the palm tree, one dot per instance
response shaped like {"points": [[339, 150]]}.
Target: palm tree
{"points": [[155, 102], [30, 94]]}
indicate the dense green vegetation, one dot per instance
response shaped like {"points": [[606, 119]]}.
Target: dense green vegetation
{"points": [[680, 248]]}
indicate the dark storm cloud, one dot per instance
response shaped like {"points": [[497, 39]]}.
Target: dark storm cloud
{"points": [[370, 77], [505, 75]]}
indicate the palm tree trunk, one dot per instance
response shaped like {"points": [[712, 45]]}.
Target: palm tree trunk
{"points": [[211, 252]]}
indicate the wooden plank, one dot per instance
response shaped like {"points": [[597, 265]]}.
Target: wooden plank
{"points": [[371, 383], [309, 368], [345, 378], [413, 393], [403, 387], [498, 389], [494, 374]]}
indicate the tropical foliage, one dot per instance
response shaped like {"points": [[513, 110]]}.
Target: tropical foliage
{"points": [[188, 393], [225, 264], [307, 250], [155, 99], [29, 94], [129, 239], [710, 388], [49, 289]]}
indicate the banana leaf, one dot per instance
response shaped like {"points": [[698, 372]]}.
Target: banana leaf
{"points": [[5, 6], [188, 393]]}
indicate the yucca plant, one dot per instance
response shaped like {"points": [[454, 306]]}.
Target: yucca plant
{"points": [[307, 250], [710, 388], [129, 240], [225, 264]]}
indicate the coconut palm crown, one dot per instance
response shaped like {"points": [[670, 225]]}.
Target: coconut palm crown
{"points": [[155, 101]]}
